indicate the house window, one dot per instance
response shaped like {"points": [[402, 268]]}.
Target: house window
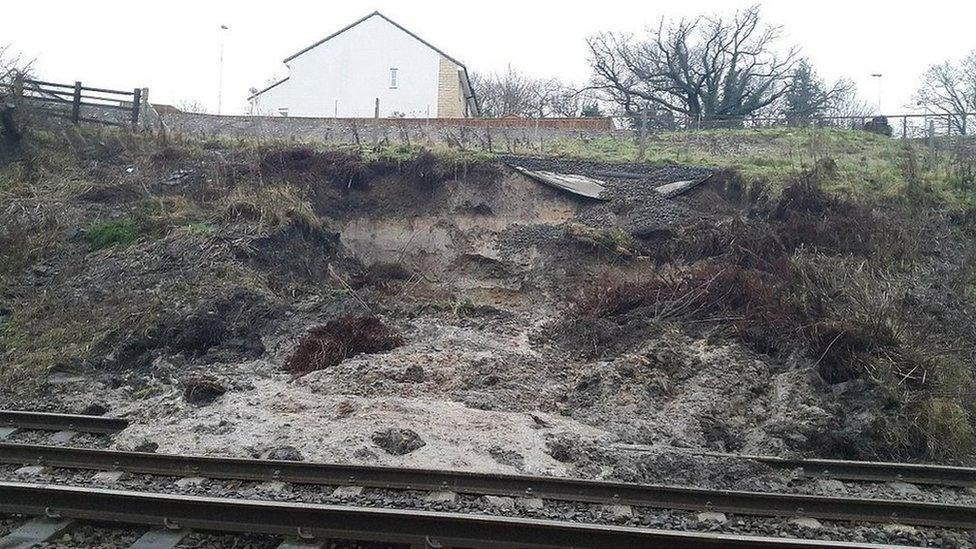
{"points": [[393, 78], [283, 111]]}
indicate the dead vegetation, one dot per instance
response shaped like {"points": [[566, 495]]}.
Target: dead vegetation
{"points": [[331, 343], [810, 273]]}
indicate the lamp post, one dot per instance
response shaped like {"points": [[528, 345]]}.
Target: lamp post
{"points": [[220, 82], [878, 76]]}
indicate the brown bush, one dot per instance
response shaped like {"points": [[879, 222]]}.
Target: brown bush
{"points": [[699, 293], [843, 346], [427, 170], [345, 170], [804, 215], [339, 339]]}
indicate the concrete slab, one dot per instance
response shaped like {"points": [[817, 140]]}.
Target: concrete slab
{"points": [[678, 188], [441, 497], [617, 510], [531, 503], [711, 516], [160, 539], [188, 482], [807, 523], [31, 471], [577, 184], [500, 501], [347, 492], [109, 477], [63, 437], [35, 532], [272, 486], [295, 543]]}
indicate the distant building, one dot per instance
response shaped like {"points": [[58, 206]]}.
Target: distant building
{"points": [[373, 59]]}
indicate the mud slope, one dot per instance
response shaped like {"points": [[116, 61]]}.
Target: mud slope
{"points": [[528, 339]]}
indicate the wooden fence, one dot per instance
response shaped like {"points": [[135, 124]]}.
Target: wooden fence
{"points": [[80, 103]]}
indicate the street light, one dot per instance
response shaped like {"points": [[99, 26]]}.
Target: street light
{"points": [[220, 83], [878, 76]]}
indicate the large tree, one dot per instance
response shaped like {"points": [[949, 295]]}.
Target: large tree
{"points": [[715, 68], [950, 90], [808, 96]]}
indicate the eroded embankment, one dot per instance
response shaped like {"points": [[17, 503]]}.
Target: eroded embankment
{"points": [[522, 328]]}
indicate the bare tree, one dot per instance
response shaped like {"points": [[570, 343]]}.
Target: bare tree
{"points": [[12, 66], [709, 67], [192, 106], [513, 93], [950, 89], [504, 94]]}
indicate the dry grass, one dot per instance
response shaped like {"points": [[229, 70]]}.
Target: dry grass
{"points": [[271, 207]]}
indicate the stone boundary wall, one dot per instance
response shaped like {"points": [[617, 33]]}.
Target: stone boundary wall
{"points": [[469, 133]]}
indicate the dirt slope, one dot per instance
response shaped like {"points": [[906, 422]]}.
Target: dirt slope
{"points": [[538, 329]]}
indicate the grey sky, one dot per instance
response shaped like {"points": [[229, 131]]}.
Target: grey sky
{"points": [[172, 47]]}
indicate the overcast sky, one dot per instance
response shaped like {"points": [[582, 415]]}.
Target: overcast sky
{"points": [[172, 47]]}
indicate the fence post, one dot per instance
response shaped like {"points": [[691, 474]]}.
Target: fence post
{"points": [[376, 123], [488, 135], [18, 85], [136, 105], [904, 127], [76, 104], [642, 143]]}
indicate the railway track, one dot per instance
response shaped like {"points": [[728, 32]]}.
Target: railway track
{"points": [[12, 421], [864, 471], [62, 504], [177, 514], [552, 488]]}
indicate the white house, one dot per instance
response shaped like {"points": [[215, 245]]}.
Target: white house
{"points": [[372, 64]]}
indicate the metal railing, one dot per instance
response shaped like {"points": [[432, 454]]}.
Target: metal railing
{"points": [[905, 125]]}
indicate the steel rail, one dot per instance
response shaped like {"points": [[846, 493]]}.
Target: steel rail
{"points": [[44, 421], [356, 523], [565, 489], [870, 471], [876, 471]]}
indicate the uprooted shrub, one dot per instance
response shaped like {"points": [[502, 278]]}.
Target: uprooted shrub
{"points": [[331, 343]]}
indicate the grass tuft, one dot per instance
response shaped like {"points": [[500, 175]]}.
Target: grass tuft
{"points": [[113, 233]]}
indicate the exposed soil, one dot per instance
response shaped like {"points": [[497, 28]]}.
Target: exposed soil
{"points": [[426, 314]]}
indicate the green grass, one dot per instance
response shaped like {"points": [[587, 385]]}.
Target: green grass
{"points": [[868, 165], [113, 233]]}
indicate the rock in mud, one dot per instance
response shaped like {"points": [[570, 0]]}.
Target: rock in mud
{"points": [[563, 447], [94, 409], [414, 374], [202, 391], [398, 442], [506, 457], [285, 453], [146, 446]]}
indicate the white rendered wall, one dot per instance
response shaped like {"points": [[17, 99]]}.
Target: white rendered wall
{"points": [[344, 75]]}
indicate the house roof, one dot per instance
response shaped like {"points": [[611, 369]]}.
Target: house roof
{"points": [[392, 22]]}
